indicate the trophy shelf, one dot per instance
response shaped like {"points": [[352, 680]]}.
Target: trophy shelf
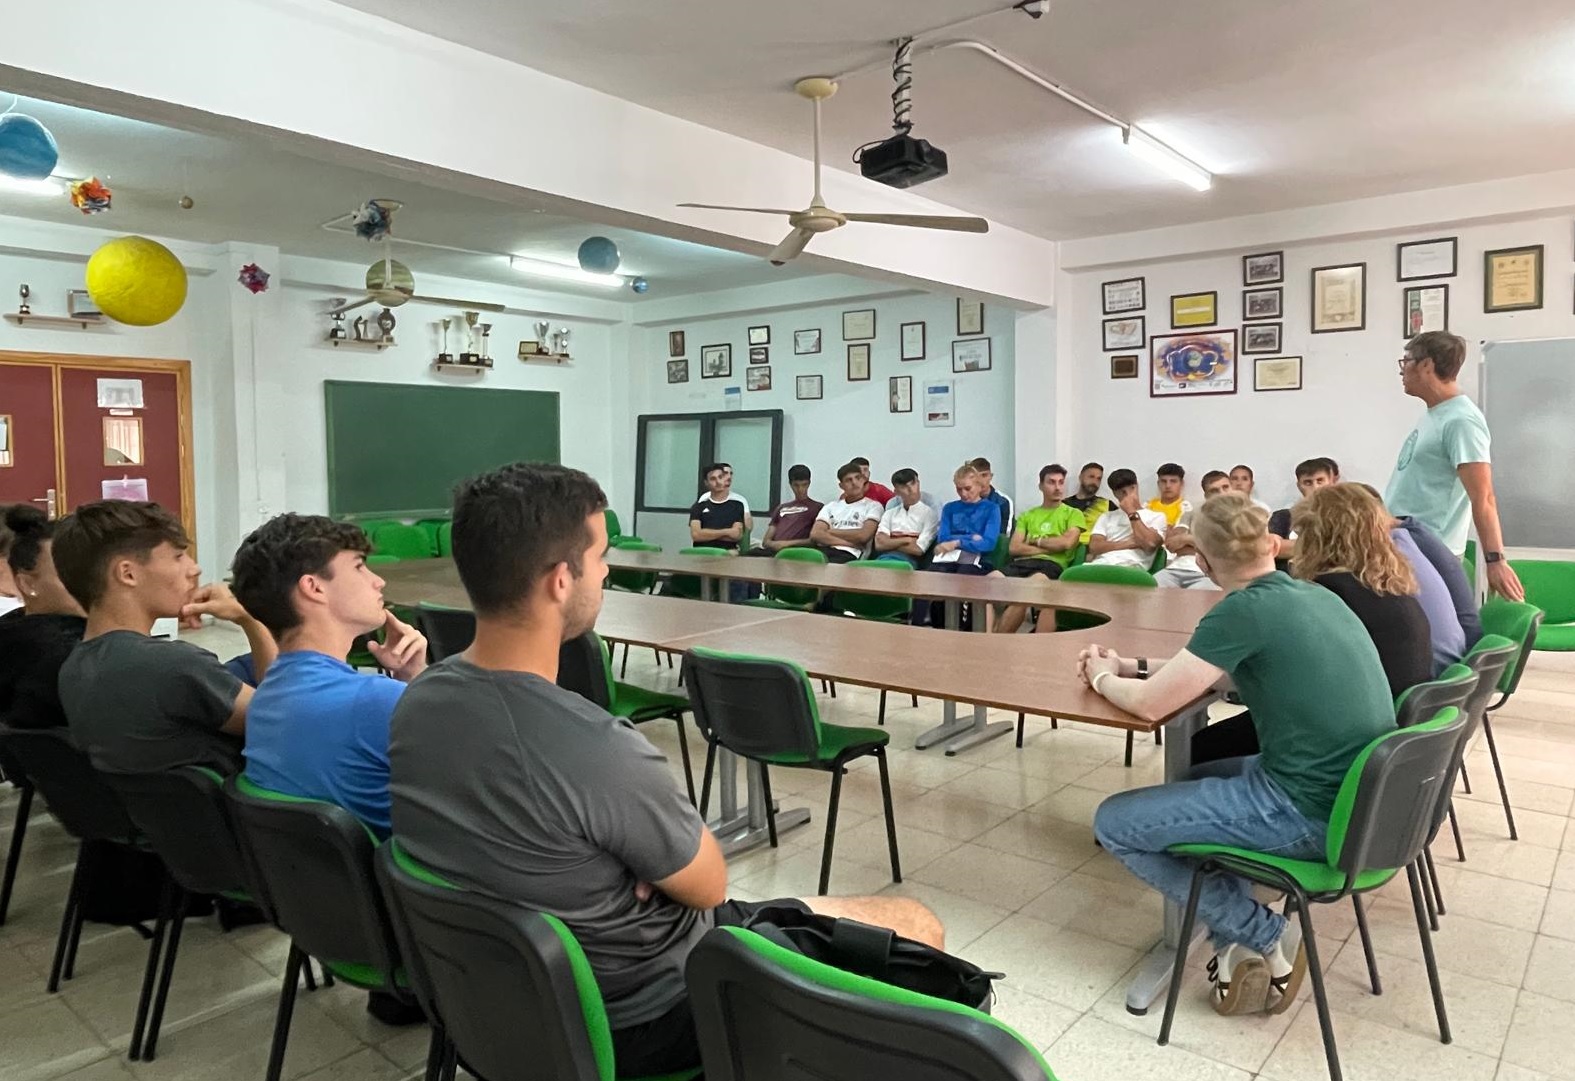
{"points": [[70, 322], [378, 344]]}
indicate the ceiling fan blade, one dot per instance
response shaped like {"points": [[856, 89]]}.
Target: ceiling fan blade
{"points": [[744, 209], [473, 305], [351, 306], [925, 221], [790, 247]]}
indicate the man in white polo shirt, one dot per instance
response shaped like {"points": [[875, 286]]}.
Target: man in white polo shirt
{"points": [[1129, 534], [844, 528], [907, 529]]}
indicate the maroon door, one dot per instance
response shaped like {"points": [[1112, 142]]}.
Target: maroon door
{"points": [[131, 440], [28, 464]]}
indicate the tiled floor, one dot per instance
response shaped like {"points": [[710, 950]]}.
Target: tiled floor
{"points": [[997, 842]]}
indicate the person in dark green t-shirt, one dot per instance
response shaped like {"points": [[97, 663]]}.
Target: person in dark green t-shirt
{"points": [[1043, 542], [1309, 673]]}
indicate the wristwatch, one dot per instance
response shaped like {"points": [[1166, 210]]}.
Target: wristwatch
{"points": [[1133, 516], [1493, 557], [1142, 668]]}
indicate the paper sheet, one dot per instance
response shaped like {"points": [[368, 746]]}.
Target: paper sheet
{"points": [[132, 488]]}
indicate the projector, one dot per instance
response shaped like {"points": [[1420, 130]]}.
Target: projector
{"points": [[902, 161]]}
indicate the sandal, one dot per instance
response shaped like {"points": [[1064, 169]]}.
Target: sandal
{"points": [[1247, 990], [1288, 985]]}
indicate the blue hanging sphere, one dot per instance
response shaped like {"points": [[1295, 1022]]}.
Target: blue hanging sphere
{"points": [[27, 150], [639, 285], [598, 255]]}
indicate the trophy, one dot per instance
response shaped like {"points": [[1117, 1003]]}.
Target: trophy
{"points": [[541, 330], [444, 356], [486, 331], [560, 342], [25, 292], [468, 354], [359, 326], [385, 323]]}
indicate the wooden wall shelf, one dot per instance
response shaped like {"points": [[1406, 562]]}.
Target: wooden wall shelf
{"points": [[468, 369], [79, 322], [361, 343], [553, 358]]}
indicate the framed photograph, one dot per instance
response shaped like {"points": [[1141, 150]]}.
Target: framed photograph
{"points": [[970, 317], [716, 362], [1339, 298], [1426, 308], [940, 410], [1427, 259], [678, 371], [759, 354], [1512, 279], [757, 378], [1265, 268], [1193, 310], [1261, 338], [972, 355], [858, 326], [913, 341], [759, 335], [1124, 333], [1277, 373], [1263, 303], [900, 392], [858, 363], [1124, 367], [1190, 365], [1125, 295], [806, 342], [807, 388], [675, 343]]}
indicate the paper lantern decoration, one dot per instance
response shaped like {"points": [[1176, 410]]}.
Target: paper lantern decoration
{"points": [[639, 285], [254, 277], [89, 196], [136, 281], [27, 150], [375, 219], [598, 255]]}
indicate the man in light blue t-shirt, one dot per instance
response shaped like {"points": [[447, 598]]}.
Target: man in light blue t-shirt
{"points": [[1444, 474]]}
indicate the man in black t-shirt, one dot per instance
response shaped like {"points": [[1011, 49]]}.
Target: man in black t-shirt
{"points": [[717, 521]]}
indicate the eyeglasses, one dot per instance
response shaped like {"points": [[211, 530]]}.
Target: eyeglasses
{"points": [[1406, 360]]}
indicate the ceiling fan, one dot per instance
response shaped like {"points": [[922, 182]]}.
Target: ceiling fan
{"points": [[818, 217]]}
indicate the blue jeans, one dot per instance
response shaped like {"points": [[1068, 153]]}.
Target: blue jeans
{"points": [[1238, 805]]}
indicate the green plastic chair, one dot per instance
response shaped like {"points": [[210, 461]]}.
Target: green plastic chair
{"points": [[688, 585], [1001, 555], [370, 526], [757, 1004], [764, 710], [1494, 658], [792, 598], [1550, 585], [431, 527], [1079, 621], [401, 542], [614, 528], [1079, 555], [445, 539], [1161, 557], [1382, 819]]}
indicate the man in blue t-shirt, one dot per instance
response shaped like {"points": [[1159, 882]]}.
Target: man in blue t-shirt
{"points": [[317, 727]]}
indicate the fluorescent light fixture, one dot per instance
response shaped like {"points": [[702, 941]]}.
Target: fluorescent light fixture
{"points": [[1165, 159], [544, 269], [49, 186]]}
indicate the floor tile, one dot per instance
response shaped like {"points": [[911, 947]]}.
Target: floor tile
{"points": [[44, 1040], [1564, 870], [1539, 1036], [1096, 1050], [798, 875], [1508, 1071], [1128, 913], [1039, 1021], [363, 1065], [236, 1044], [1469, 892], [866, 844], [1041, 837], [989, 876], [113, 1068], [1558, 918], [1530, 795], [1503, 858], [954, 816], [1074, 804], [1371, 1052], [1064, 966], [1471, 947], [1009, 788], [1482, 819], [1552, 968]]}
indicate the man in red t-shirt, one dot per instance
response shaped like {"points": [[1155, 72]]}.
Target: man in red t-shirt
{"points": [[792, 519], [874, 489]]}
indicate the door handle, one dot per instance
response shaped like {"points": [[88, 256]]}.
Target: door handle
{"points": [[50, 503]]}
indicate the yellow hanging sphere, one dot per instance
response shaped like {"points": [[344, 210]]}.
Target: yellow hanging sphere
{"points": [[136, 281]]}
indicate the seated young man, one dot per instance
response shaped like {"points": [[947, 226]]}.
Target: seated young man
{"points": [[1312, 474], [316, 727], [134, 703], [792, 519], [719, 519], [727, 470], [1307, 670], [907, 529], [874, 489], [1130, 534], [509, 785], [990, 492], [1242, 482], [845, 527], [1171, 477], [1183, 572], [1087, 498], [1044, 541]]}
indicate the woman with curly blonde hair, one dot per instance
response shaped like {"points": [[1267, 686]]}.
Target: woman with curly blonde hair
{"points": [[1343, 544]]}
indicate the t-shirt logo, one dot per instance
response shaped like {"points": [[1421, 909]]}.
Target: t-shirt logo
{"points": [[1407, 451]]}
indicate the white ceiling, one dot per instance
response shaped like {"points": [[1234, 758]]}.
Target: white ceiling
{"points": [[247, 189], [1289, 102]]}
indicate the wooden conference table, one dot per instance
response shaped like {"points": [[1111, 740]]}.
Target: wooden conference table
{"points": [[1024, 673]]}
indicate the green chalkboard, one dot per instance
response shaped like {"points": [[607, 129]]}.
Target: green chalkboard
{"points": [[397, 450]]}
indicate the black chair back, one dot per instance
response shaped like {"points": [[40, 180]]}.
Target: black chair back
{"points": [[503, 980], [582, 669], [1423, 701], [183, 814], [756, 707], [448, 630], [1488, 659], [756, 1017], [314, 862], [77, 794]]}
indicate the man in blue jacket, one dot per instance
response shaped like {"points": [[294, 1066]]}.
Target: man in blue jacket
{"points": [[965, 541]]}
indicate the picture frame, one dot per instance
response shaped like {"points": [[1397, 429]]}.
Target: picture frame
{"points": [[716, 362], [970, 317], [678, 371], [760, 335], [971, 355], [806, 342], [940, 403], [858, 363], [1277, 373], [757, 378], [759, 354], [675, 343], [1512, 279], [1197, 364], [1124, 332], [899, 393], [1262, 304], [1261, 338], [858, 326], [1189, 310], [1124, 366], [1339, 298], [1425, 308], [1123, 295], [808, 388], [1418, 259], [1264, 268], [913, 341]]}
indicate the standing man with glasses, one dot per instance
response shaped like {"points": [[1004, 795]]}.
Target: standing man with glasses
{"points": [[1444, 475]]}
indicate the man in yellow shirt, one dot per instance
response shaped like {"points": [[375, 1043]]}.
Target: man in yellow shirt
{"points": [[1169, 501]]}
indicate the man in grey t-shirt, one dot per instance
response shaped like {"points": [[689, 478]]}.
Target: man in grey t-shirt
{"points": [[506, 784]]}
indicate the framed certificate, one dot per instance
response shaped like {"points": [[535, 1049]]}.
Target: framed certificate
{"points": [[807, 388], [1427, 259], [1339, 298], [858, 363], [913, 346], [900, 392], [1426, 308], [1125, 295], [760, 335], [806, 342], [858, 326], [1124, 332], [1193, 310], [1512, 279], [970, 316], [971, 355], [1277, 373]]}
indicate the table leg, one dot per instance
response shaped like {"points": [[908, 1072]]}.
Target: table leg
{"points": [[970, 732], [950, 727], [1153, 976]]}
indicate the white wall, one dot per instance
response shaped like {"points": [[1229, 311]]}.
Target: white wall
{"points": [[1350, 407]]}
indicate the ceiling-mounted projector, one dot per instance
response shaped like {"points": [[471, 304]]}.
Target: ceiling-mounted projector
{"points": [[902, 160]]}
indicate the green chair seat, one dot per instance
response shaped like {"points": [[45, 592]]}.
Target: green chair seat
{"points": [[837, 740], [635, 703], [633, 581], [1103, 575], [872, 605], [432, 527], [688, 585], [1558, 638], [792, 598], [445, 539], [1550, 585], [1313, 876], [365, 977], [403, 542]]}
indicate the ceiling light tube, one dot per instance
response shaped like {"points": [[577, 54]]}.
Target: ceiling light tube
{"points": [[1165, 159], [31, 187], [542, 268]]}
